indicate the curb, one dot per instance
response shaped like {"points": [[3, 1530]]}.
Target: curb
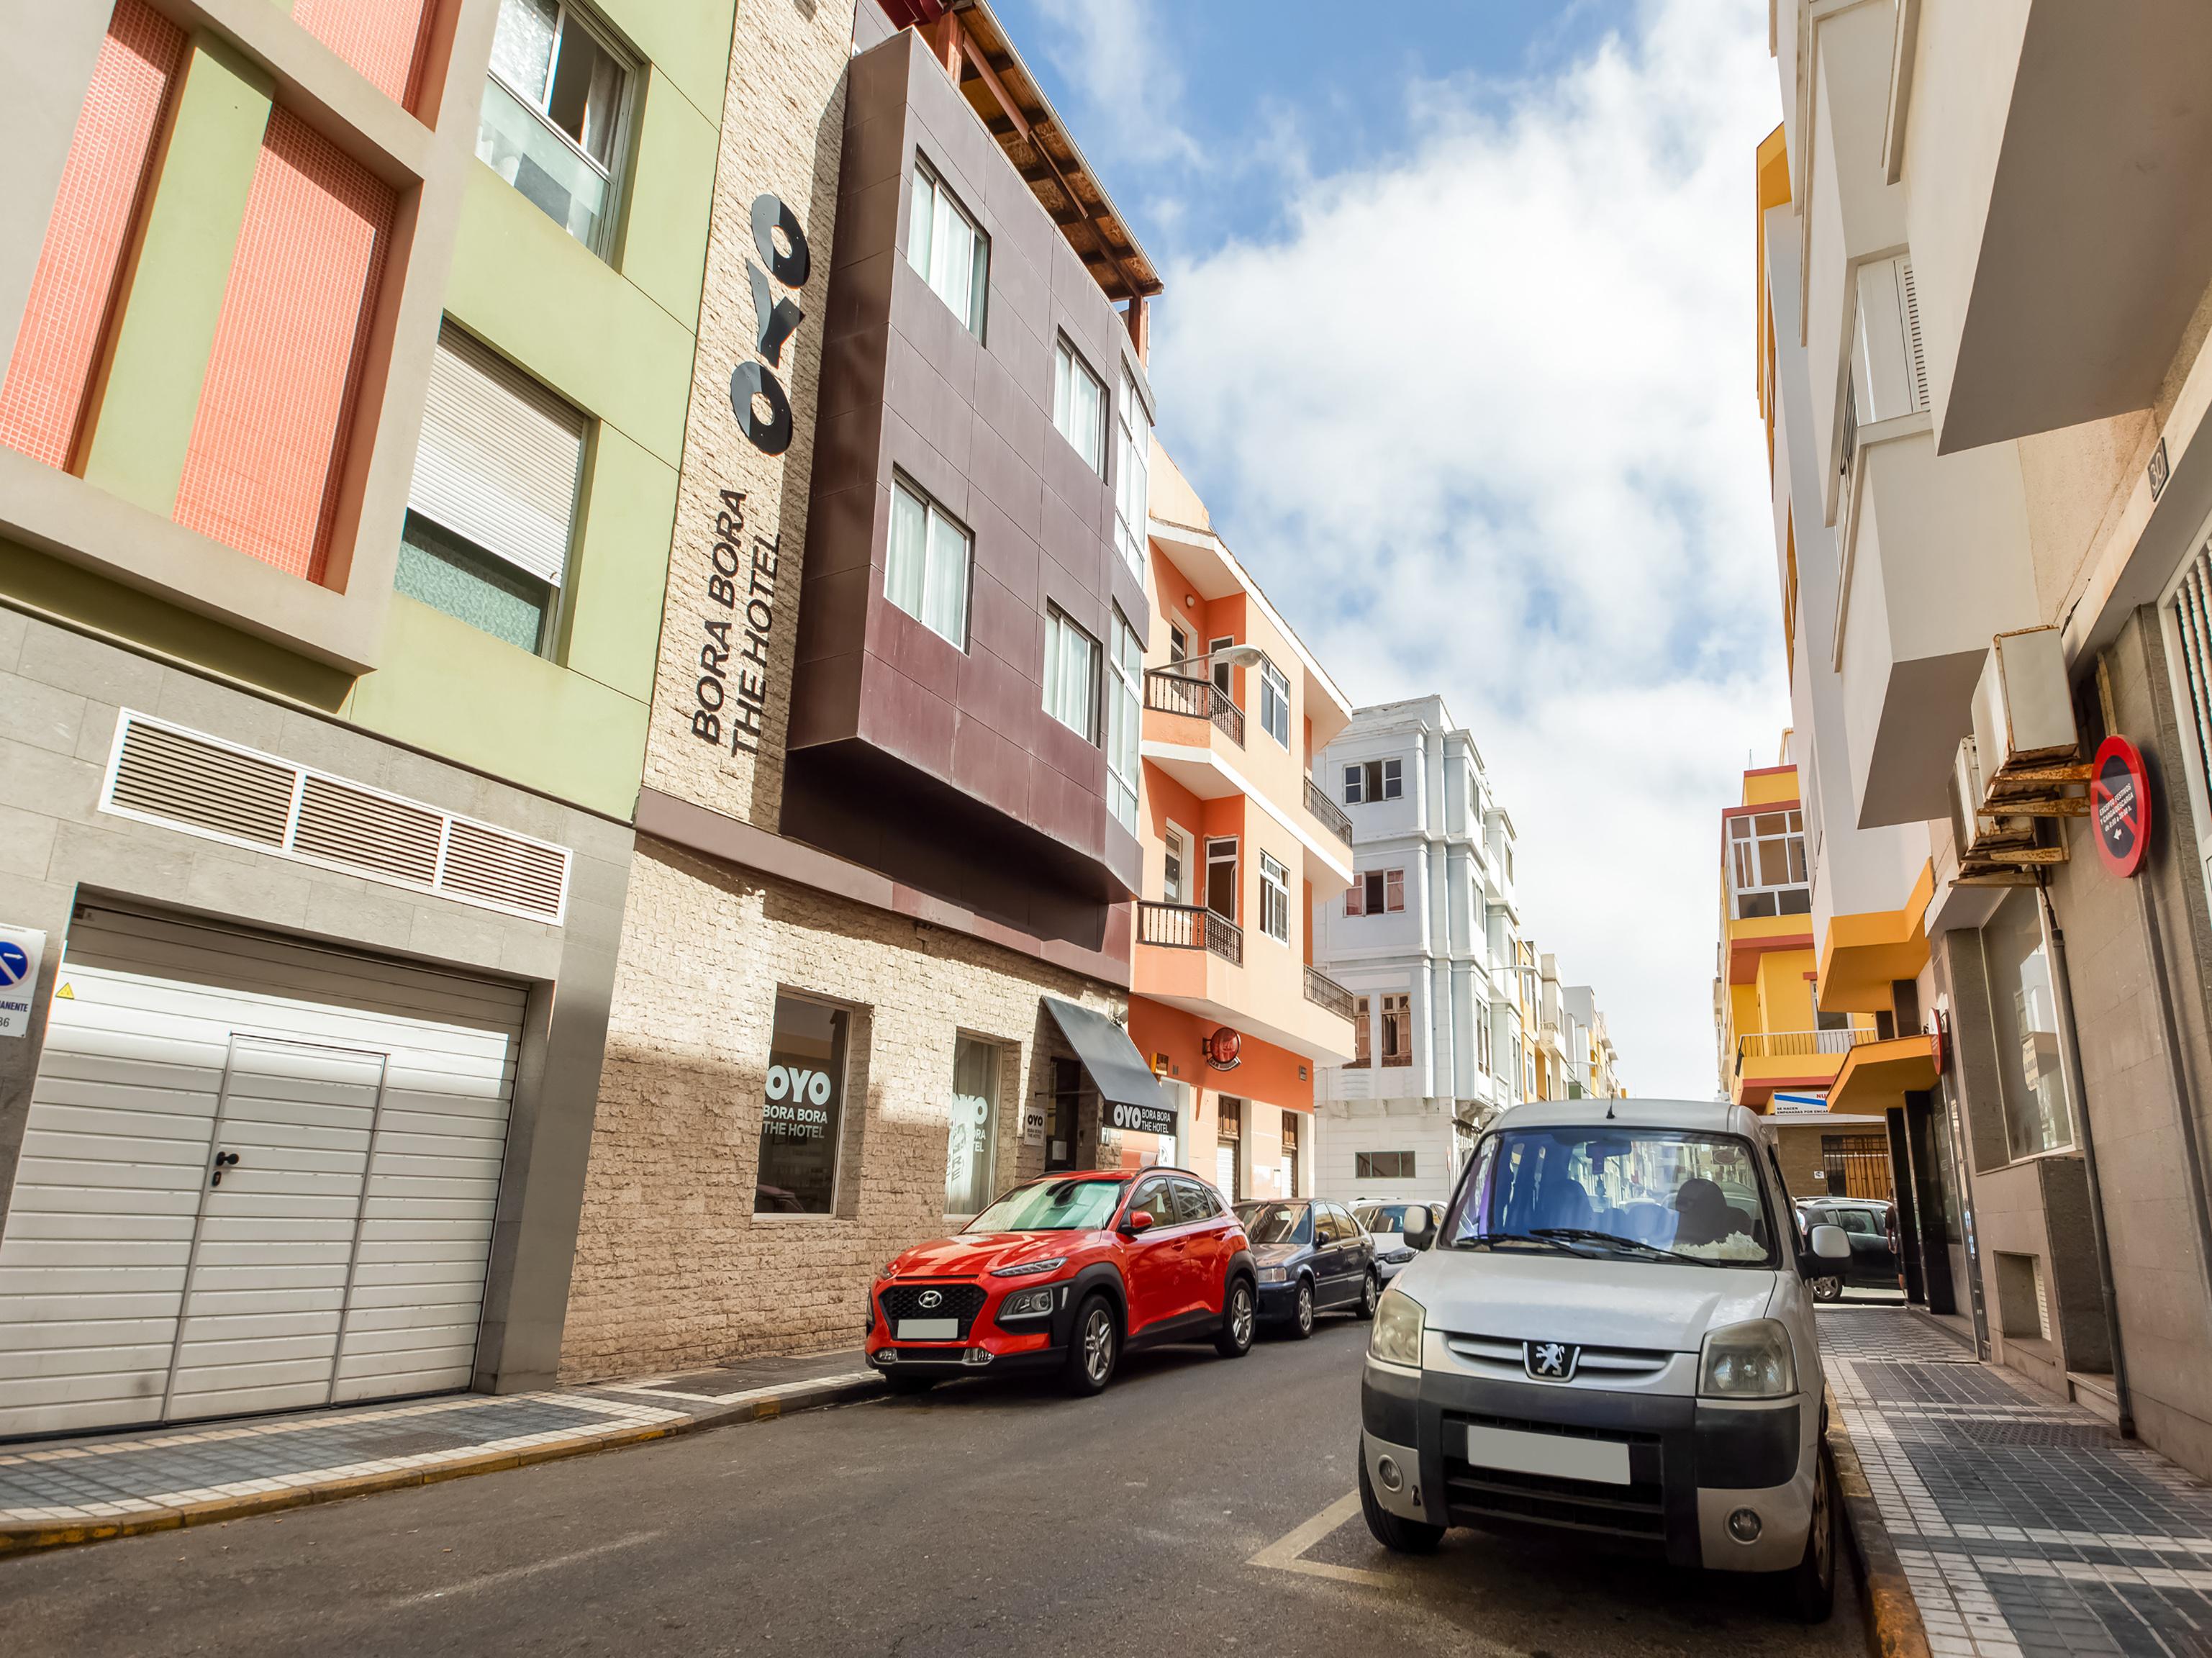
{"points": [[27, 1539], [1892, 1613]]}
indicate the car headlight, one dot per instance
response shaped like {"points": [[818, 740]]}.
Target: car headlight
{"points": [[1397, 1332], [1748, 1361], [888, 1269], [1275, 1275], [1030, 1267], [1027, 1303]]}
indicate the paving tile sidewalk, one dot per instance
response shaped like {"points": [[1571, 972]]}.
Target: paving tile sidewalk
{"points": [[55, 1492], [2027, 1527]]}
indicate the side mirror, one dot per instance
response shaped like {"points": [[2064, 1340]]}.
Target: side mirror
{"points": [[1420, 1231], [1830, 1243], [1141, 1220]]}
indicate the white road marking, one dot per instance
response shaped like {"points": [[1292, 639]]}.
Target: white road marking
{"points": [[492, 1579], [1282, 1554]]}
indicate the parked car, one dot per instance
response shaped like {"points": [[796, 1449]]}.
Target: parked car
{"points": [[1870, 1223], [1385, 1222], [1312, 1257], [1065, 1274], [1611, 1335]]}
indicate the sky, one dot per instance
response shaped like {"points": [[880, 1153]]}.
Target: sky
{"points": [[1457, 346]]}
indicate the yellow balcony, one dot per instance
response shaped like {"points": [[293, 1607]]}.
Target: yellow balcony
{"points": [[1790, 1061]]}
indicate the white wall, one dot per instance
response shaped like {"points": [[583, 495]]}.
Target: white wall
{"points": [[1426, 1131]]}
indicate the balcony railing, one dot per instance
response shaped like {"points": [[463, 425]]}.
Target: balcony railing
{"points": [[1789, 1044], [1195, 698], [1331, 815], [1190, 926], [1327, 994]]}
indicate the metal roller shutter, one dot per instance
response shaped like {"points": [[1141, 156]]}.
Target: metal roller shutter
{"points": [[338, 1251]]}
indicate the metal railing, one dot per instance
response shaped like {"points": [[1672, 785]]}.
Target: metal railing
{"points": [[1331, 815], [1189, 926], [1325, 993], [1786, 1044], [1195, 698]]}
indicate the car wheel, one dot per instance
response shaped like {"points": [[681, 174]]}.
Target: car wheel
{"points": [[1809, 1587], [1235, 1339], [1302, 1315], [1827, 1289], [1093, 1350], [1370, 1292], [1393, 1532], [911, 1384]]}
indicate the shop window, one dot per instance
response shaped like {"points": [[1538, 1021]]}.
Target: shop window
{"points": [[1275, 703], [1275, 899], [926, 565], [1071, 675], [2026, 1015], [1382, 1165], [802, 1123], [948, 248], [554, 108], [1124, 716], [972, 1130], [1078, 406], [1132, 485], [1398, 1029], [1373, 780]]}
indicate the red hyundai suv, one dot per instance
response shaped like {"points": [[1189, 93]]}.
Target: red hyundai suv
{"points": [[1063, 1274]]}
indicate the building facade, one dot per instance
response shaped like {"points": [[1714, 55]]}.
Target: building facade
{"points": [[1980, 332]]}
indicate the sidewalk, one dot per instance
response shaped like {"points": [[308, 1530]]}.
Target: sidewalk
{"points": [[77, 1490], [2026, 1525]]}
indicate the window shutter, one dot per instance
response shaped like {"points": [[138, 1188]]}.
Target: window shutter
{"points": [[1394, 888], [500, 459], [1355, 899], [1391, 780]]}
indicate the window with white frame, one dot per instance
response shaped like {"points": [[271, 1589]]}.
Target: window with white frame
{"points": [[1176, 870], [1363, 1047], [1275, 703], [554, 113], [1373, 780], [1071, 675], [1133, 488], [948, 248], [1376, 892], [1766, 863], [1078, 406], [1275, 899], [1398, 1029], [1124, 716], [926, 568]]}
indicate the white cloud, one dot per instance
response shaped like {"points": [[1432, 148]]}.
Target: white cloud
{"points": [[1110, 50], [1482, 419]]}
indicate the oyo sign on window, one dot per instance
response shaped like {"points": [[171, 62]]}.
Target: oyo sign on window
{"points": [[774, 322]]}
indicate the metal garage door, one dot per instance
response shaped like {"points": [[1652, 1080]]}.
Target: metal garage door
{"points": [[257, 1174]]}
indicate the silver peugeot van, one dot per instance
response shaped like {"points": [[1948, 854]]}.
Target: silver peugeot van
{"points": [[1611, 1334]]}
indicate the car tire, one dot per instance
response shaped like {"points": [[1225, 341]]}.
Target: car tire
{"points": [[1239, 1316], [1093, 1348], [910, 1385], [1370, 1292], [1827, 1289], [1809, 1587], [1302, 1311], [1393, 1532]]}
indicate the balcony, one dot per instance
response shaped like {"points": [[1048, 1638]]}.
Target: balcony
{"points": [[1197, 699], [1189, 957], [1773, 1061], [1789, 1044], [1332, 816], [1324, 992], [1191, 926]]}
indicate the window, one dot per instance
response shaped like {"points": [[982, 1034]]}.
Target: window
{"points": [[1372, 780], [1221, 877], [553, 114], [1194, 1203], [926, 569], [1382, 1165], [803, 1119], [1221, 671], [1275, 703], [1376, 892], [947, 249], [1078, 407], [1398, 1029], [2026, 1016], [1132, 488], [1155, 1198], [1275, 899], [973, 1129], [492, 507], [1766, 863], [1178, 643], [1362, 1041], [1482, 1038], [1175, 880], [1071, 675], [1125, 702]]}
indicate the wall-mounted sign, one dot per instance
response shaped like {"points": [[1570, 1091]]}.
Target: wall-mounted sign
{"points": [[1223, 1048], [2119, 801], [1786, 1105], [754, 385], [1032, 1124], [1139, 1118], [21, 950]]}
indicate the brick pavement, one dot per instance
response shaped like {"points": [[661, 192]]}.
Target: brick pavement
{"points": [[2028, 1528]]}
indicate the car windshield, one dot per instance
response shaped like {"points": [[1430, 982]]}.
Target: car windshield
{"points": [[1384, 1217], [1053, 1206], [1654, 1193], [1276, 1222]]}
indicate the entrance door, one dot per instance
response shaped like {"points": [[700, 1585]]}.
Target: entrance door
{"points": [[1221, 877], [1066, 1102], [1225, 1170]]}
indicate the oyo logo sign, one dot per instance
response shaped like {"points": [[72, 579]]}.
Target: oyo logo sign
{"points": [[774, 322], [790, 1082]]}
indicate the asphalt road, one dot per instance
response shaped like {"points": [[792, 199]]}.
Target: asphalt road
{"points": [[985, 1517]]}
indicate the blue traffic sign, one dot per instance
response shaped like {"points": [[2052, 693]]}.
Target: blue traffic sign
{"points": [[15, 963]]}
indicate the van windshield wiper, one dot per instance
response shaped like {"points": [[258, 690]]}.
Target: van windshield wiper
{"points": [[1491, 1240], [1584, 1235]]}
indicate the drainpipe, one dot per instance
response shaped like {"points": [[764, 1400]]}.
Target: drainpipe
{"points": [[2069, 1047]]}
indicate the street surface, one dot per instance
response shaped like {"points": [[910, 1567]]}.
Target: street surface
{"points": [[984, 1517]]}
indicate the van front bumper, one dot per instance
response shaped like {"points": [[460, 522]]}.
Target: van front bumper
{"points": [[1692, 1463]]}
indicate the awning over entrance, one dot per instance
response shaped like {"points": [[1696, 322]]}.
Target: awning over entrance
{"points": [[1119, 1071]]}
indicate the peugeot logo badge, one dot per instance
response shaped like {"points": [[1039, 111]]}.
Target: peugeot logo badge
{"points": [[930, 1299], [1551, 1361]]}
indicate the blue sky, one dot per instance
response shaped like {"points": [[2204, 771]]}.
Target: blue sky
{"points": [[1457, 345]]}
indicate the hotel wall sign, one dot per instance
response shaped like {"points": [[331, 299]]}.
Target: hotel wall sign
{"points": [[2119, 801], [774, 321]]}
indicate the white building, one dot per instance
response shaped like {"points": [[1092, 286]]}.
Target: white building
{"points": [[1427, 940]]}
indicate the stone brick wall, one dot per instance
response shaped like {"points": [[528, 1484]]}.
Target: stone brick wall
{"points": [[672, 1267]]}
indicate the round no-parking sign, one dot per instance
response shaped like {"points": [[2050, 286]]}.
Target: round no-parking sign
{"points": [[2119, 799]]}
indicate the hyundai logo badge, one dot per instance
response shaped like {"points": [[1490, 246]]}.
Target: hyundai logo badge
{"points": [[1551, 1361], [930, 1299]]}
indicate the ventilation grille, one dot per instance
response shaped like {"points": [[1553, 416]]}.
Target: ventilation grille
{"points": [[1916, 343], [184, 780]]}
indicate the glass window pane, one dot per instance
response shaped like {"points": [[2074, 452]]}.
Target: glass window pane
{"points": [[979, 284], [1773, 864], [972, 1129], [921, 221], [944, 602], [802, 1118], [907, 557], [952, 265], [1739, 828], [585, 90], [1796, 858], [522, 44], [516, 143], [459, 578], [1772, 823], [2026, 1015], [1063, 376]]}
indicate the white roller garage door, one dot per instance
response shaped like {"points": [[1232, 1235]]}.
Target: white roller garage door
{"points": [[257, 1174]]}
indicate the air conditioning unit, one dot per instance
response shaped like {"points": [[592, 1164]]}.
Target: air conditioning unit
{"points": [[2023, 714], [1982, 837]]}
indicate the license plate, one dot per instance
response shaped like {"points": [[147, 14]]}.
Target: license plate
{"points": [[1558, 1455], [939, 1329]]}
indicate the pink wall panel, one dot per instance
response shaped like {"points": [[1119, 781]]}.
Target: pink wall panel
{"points": [[382, 38], [73, 290], [269, 444]]}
